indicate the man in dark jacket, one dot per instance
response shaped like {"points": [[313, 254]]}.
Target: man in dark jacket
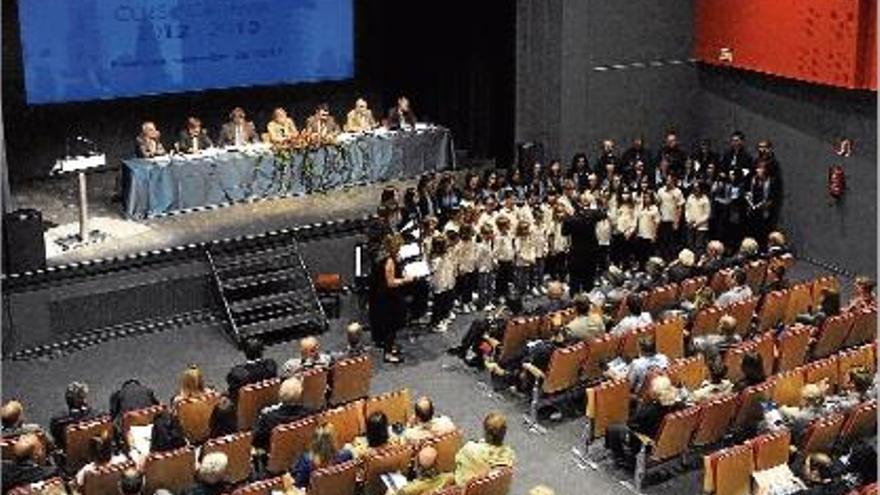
{"points": [[132, 395], [581, 227], [78, 410], [288, 409], [255, 369]]}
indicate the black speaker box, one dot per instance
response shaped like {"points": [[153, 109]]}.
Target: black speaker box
{"points": [[24, 249]]}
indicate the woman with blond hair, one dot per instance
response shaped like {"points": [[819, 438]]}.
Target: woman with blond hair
{"points": [[322, 453], [192, 384]]}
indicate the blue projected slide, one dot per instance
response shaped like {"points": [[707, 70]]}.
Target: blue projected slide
{"points": [[77, 50]]}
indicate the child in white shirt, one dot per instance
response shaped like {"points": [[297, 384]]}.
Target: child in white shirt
{"points": [[504, 255], [467, 269], [442, 283], [485, 265], [648, 225], [524, 259]]}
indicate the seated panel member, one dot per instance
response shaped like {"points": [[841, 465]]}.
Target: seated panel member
{"points": [[401, 116], [281, 128], [148, 144], [238, 131], [360, 118], [322, 123], [194, 138]]}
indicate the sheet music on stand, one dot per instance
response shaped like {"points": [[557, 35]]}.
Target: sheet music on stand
{"points": [[417, 269], [411, 250]]}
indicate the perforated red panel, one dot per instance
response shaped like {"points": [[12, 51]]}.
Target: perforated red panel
{"points": [[823, 41]]}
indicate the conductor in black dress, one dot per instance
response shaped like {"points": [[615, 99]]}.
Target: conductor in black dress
{"points": [[387, 309], [581, 227]]}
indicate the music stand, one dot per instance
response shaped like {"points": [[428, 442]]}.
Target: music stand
{"points": [[80, 165]]}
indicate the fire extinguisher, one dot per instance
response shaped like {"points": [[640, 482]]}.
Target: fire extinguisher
{"points": [[836, 182]]}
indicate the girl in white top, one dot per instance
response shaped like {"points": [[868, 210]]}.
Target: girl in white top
{"points": [[442, 283], [467, 268], [624, 231], [525, 256], [557, 243], [697, 210], [603, 236], [484, 261], [504, 254], [648, 225]]}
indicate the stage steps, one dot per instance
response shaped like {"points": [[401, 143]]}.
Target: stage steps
{"points": [[266, 291]]}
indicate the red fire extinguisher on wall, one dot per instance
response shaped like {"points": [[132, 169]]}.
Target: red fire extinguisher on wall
{"points": [[836, 182]]}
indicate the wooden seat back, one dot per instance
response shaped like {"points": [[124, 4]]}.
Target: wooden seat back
{"points": [[314, 386], [822, 283], [564, 369], [51, 486], [386, 460], [600, 350], [756, 272], [864, 329], [252, 398], [720, 282], [688, 288], [517, 332], [173, 470], [860, 357], [607, 404], [347, 420], [773, 309], [105, 479], [629, 341], [821, 434], [497, 482], [688, 372], [832, 334], [288, 442], [447, 446], [800, 300], [743, 312], [728, 471], [748, 402], [861, 422], [770, 449], [338, 479], [396, 405], [715, 418], [675, 433], [792, 346], [706, 321], [262, 487], [823, 369], [351, 379], [77, 438], [237, 448], [194, 414], [669, 337], [661, 298], [788, 386], [762, 344], [140, 417]]}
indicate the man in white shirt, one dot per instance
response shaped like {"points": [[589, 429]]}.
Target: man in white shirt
{"points": [[671, 201], [636, 318], [697, 210], [739, 291]]}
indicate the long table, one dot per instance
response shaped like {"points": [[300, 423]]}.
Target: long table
{"points": [[154, 187]]}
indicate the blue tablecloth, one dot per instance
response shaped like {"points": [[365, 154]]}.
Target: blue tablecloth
{"points": [[153, 187]]}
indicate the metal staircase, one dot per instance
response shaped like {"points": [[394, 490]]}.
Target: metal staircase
{"points": [[266, 290]]}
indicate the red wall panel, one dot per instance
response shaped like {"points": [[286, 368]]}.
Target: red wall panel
{"points": [[822, 41]]}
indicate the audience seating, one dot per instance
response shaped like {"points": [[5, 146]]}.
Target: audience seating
{"points": [[787, 387], [264, 487], [824, 369], [347, 420], [860, 357], [396, 405], [762, 344], [397, 458], [861, 422], [770, 449], [288, 442], [743, 312], [772, 309], [140, 417], [670, 443], [728, 471], [660, 298], [563, 373], [517, 332], [314, 385], [720, 281], [749, 401], [669, 337], [756, 272], [821, 434], [688, 289], [496, 482], [600, 350], [351, 379], [447, 446], [715, 417], [706, 321], [821, 283], [688, 372], [252, 398], [194, 414], [77, 437], [237, 448], [52, 486], [607, 404], [800, 301], [629, 341], [792, 347], [864, 328], [173, 470], [831, 335], [339, 479], [105, 479]]}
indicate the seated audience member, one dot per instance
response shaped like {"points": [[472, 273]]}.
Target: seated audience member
{"points": [[28, 463], [636, 317], [822, 476], [536, 355], [776, 245], [167, 433], [829, 305], [621, 440], [863, 461], [649, 360], [752, 367], [813, 400], [238, 131], [683, 268], [131, 482], [194, 138], [310, 356], [428, 478], [424, 424], [718, 343], [738, 292], [354, 345], [192, 385], [78, 410], [360, 118], [478, 458], [323, 452], [288, 409], [211, 475], [101, 454], [281, 129], [703, 298], [322, 123], [256, 369], [713, 260], [779, 282], [589, 322], [474, 348], [863, 294], [131, 395], [555, 299], [148, 144], [716, 386], [748, 251], [401, 116], [377, 434], [224, 418], [12, 414]]}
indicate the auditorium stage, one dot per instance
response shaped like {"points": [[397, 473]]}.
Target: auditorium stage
{"points": [[57, 199]]}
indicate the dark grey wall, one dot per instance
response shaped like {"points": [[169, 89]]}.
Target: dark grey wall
{"points": [[803, 120], [564, 102]]}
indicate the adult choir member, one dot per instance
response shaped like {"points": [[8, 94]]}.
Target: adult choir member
{"points": [[387, 308]]}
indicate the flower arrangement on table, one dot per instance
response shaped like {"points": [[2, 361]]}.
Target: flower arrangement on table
{"points": [[304, 142]]}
